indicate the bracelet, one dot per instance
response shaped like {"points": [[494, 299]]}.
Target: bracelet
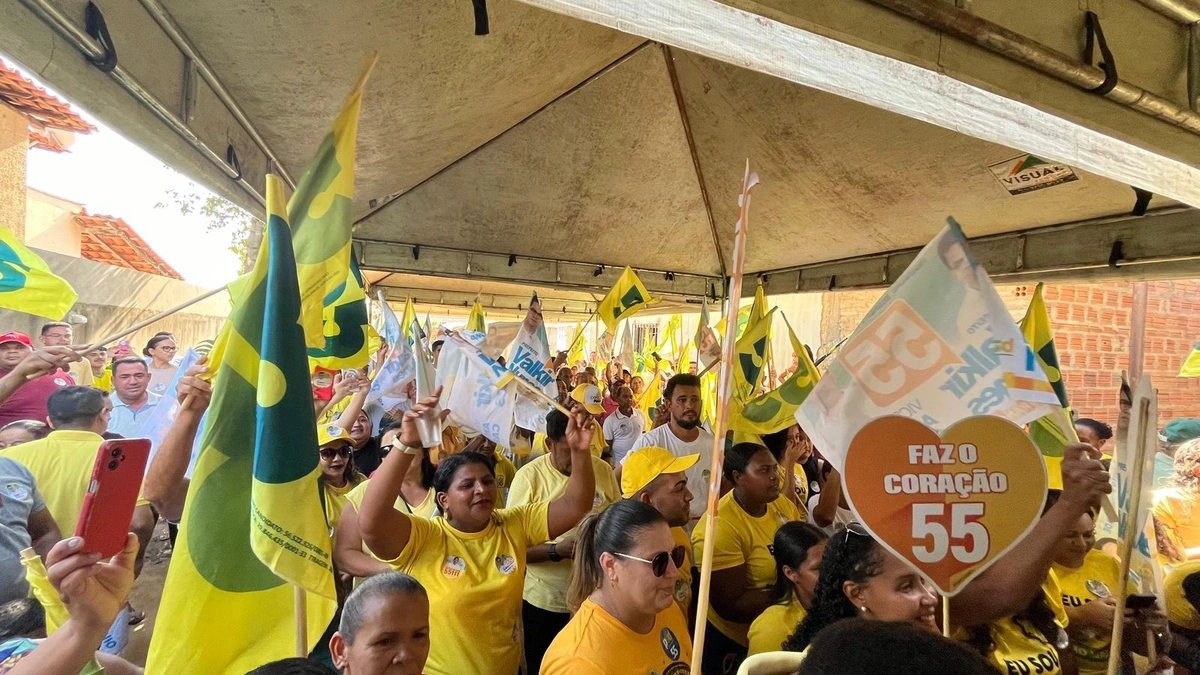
{"points": [[408, 450]]}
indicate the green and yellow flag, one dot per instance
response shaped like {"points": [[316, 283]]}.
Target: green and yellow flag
{"points": [[1051, 433], [407, 319], [477, 320], [254, 523], [346, 326], [627, 297], [578, 349], [321, 222], [1191, 367], [776, 409], [750, 361], [27, 284]]}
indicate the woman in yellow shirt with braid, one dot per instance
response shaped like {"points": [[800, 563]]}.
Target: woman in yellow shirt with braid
{"points": [[471, 558]]}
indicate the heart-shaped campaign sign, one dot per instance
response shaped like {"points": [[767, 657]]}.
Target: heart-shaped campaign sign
{"points": [[949, 505]]}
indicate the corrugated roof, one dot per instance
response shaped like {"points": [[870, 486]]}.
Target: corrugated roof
{"points": [[112, 241], [42, 110]]}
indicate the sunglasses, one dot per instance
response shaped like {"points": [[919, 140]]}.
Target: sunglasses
{"points": [[658, 564], [856, 528], [330, 453]]}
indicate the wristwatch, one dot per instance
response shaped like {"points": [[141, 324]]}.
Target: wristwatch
{"points": [[554, 556], [397, 444]]}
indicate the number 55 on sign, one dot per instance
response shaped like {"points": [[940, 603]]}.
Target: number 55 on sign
{"points": [[949, 505]]}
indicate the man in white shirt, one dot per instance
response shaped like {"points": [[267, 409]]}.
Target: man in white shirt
{"points": [[133, 403], [682, 435], [624, 425]]}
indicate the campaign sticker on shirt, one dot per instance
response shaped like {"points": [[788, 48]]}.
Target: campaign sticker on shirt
{"points": [[1098, 588], [506, 563], [597, 501], [454, 567], [681, 590], [17, 491], [60, 381], [158, 388], [670, 643]]}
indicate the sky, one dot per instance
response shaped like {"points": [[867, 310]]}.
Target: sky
{"points": [[111, 176]]}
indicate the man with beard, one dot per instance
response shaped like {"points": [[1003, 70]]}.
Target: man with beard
{"points": [[682, 436]]}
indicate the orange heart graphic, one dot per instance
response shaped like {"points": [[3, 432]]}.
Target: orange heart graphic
{"points": [[948, 505]]}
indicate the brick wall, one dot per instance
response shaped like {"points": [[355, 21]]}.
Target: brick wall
{"points": [[1091, 325]]}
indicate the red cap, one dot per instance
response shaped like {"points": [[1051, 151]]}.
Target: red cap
{"points": [[14, 336]]}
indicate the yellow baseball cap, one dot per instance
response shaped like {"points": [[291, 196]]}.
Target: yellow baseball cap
{"points": [[331, 433], [644, 465], [589, 396], [1179, 610]]}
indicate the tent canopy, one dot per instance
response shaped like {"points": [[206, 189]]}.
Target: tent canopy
{"points": [[553, 152]]}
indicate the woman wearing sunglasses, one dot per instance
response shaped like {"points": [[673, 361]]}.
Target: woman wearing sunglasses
{"points": [[798, 550], [623, 591], [338, 475], [743, 569]]}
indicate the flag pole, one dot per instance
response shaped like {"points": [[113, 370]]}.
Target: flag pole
{"points": [[300, 601], [1131, 535], [723, 392], [709, 367]]}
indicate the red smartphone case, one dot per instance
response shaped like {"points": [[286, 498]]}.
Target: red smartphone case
{"points": [[112, 495]]}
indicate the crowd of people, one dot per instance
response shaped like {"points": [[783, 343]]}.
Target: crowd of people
{"points": [[576, 550]]}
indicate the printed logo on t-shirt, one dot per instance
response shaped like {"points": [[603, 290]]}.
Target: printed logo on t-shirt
{"points": [[17, 491], [670, 643], [453, 567], [1098, 588], [506, 563]]}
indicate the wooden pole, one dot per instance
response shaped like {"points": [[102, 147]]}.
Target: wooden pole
{"points": [[1137, 330], [946, 616], [1131, 533], [710, 366], [300, 601], [87, 349], [724, 389]]}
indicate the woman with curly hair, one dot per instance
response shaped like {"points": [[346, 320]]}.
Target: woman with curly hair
{"points": [[1174, 511]]}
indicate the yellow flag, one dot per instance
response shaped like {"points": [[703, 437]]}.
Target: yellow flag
{"points": [[345, 326], [776, 409], [627, 297], [750, 359], [476, 320], [1191, 367], [321, 217], [407, 319], [27, 284], [578, 347], [1051, 433], [254, 521]]}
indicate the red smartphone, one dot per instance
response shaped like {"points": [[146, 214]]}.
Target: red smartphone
{"points": [[112, 495]]}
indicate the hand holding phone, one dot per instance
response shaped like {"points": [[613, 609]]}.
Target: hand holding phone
{"points": [[112, 495]]}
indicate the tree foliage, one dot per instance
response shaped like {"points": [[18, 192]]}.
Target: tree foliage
{"points": [[221, 215]]}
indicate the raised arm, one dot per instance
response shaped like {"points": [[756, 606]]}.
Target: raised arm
{"points": [[384, 529], [1006, 587], [357, 400], [576, 501], [40, 362], [825, 511], [347, 548], [166, 485]]}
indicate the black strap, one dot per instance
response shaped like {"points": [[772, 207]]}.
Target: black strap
{"points": [[1142, 203], [95, 27], [481, 17], [231, 159], [1095, 37]]}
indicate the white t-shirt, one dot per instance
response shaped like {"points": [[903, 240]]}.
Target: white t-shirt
{"points": [[698, 475], [621, 432]]}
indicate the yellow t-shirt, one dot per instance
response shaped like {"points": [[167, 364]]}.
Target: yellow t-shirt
{"points": [[335, 501], [1096, 578], [61, 464], [104, 381], [683, 583], [1179, 514], [538, 481], [474, 581], [1020, 647], [801, 488], [505, 472], [742, 539], [426, 509], [594, 642], [774, 625]]}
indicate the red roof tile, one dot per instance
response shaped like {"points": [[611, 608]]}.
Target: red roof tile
{"points": [[112, 241], [42, 110]]}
